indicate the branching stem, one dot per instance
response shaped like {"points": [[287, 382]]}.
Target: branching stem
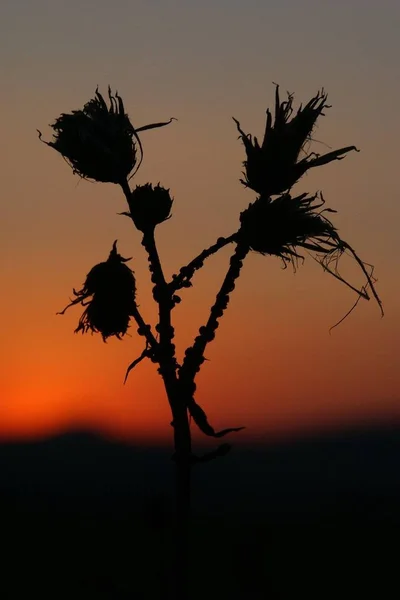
{"points": [[163, 296], [194, 356]]}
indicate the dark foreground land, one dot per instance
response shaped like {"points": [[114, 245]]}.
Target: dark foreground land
{"points": [[82, 518]]}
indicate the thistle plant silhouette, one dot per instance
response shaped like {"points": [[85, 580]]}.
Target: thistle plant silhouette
{"points": [[101, 144]]}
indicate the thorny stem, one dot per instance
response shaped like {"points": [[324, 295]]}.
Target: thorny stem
{"points": [[186, 273], [144, 329], [194, 356], [182, 435], [163, 296], [166, 359]]}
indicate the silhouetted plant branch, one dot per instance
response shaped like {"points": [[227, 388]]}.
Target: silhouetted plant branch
{"points": [[144, 329], [194, 356], [100, 143], [183, 279]]}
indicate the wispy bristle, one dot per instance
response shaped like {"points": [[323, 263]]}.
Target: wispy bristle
{"points": [[284, 226]]}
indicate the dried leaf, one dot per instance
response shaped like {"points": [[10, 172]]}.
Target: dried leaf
{"points": [[200, 418]]}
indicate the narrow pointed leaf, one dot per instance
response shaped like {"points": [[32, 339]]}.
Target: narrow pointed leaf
{"points": [[145, 354], [222, 450], [330, 156], [200, 418], [155, 125]]}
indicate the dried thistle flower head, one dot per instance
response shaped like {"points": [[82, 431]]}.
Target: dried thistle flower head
{"points": [[273, 166], [99, 141], [109, 297], [277, 226], [149, 206], [283, 225]]}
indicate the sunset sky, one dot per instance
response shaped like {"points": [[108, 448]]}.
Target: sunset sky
{"points": [[273, 367]]}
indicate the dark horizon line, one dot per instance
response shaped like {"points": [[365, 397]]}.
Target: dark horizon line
{"points": [[324, 431]]}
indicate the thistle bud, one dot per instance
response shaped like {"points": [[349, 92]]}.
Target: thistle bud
{"points": [[109, 297], [149, 206]]}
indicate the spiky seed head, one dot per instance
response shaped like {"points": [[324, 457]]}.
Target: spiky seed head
{"points": [[274, 166], [285, 226], [97, 140], [109, 297], [278, 226]]}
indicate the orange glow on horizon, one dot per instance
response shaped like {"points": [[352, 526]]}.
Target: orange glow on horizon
{"points": [[274, 366]]}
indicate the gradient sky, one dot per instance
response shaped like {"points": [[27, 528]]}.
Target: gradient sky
{"points": [[273, 367]]}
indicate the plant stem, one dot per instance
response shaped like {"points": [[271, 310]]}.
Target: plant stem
{"points": [[144, 329], [182, 435], [186, 273], [194, 356], [183, 453], [166, 359]]}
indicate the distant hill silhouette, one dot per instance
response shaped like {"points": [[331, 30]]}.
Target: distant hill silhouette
{"points": [[83, 517], [81, 468], [297, 476]]}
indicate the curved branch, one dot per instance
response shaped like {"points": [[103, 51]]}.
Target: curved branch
{"points": [[186, 273]]}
